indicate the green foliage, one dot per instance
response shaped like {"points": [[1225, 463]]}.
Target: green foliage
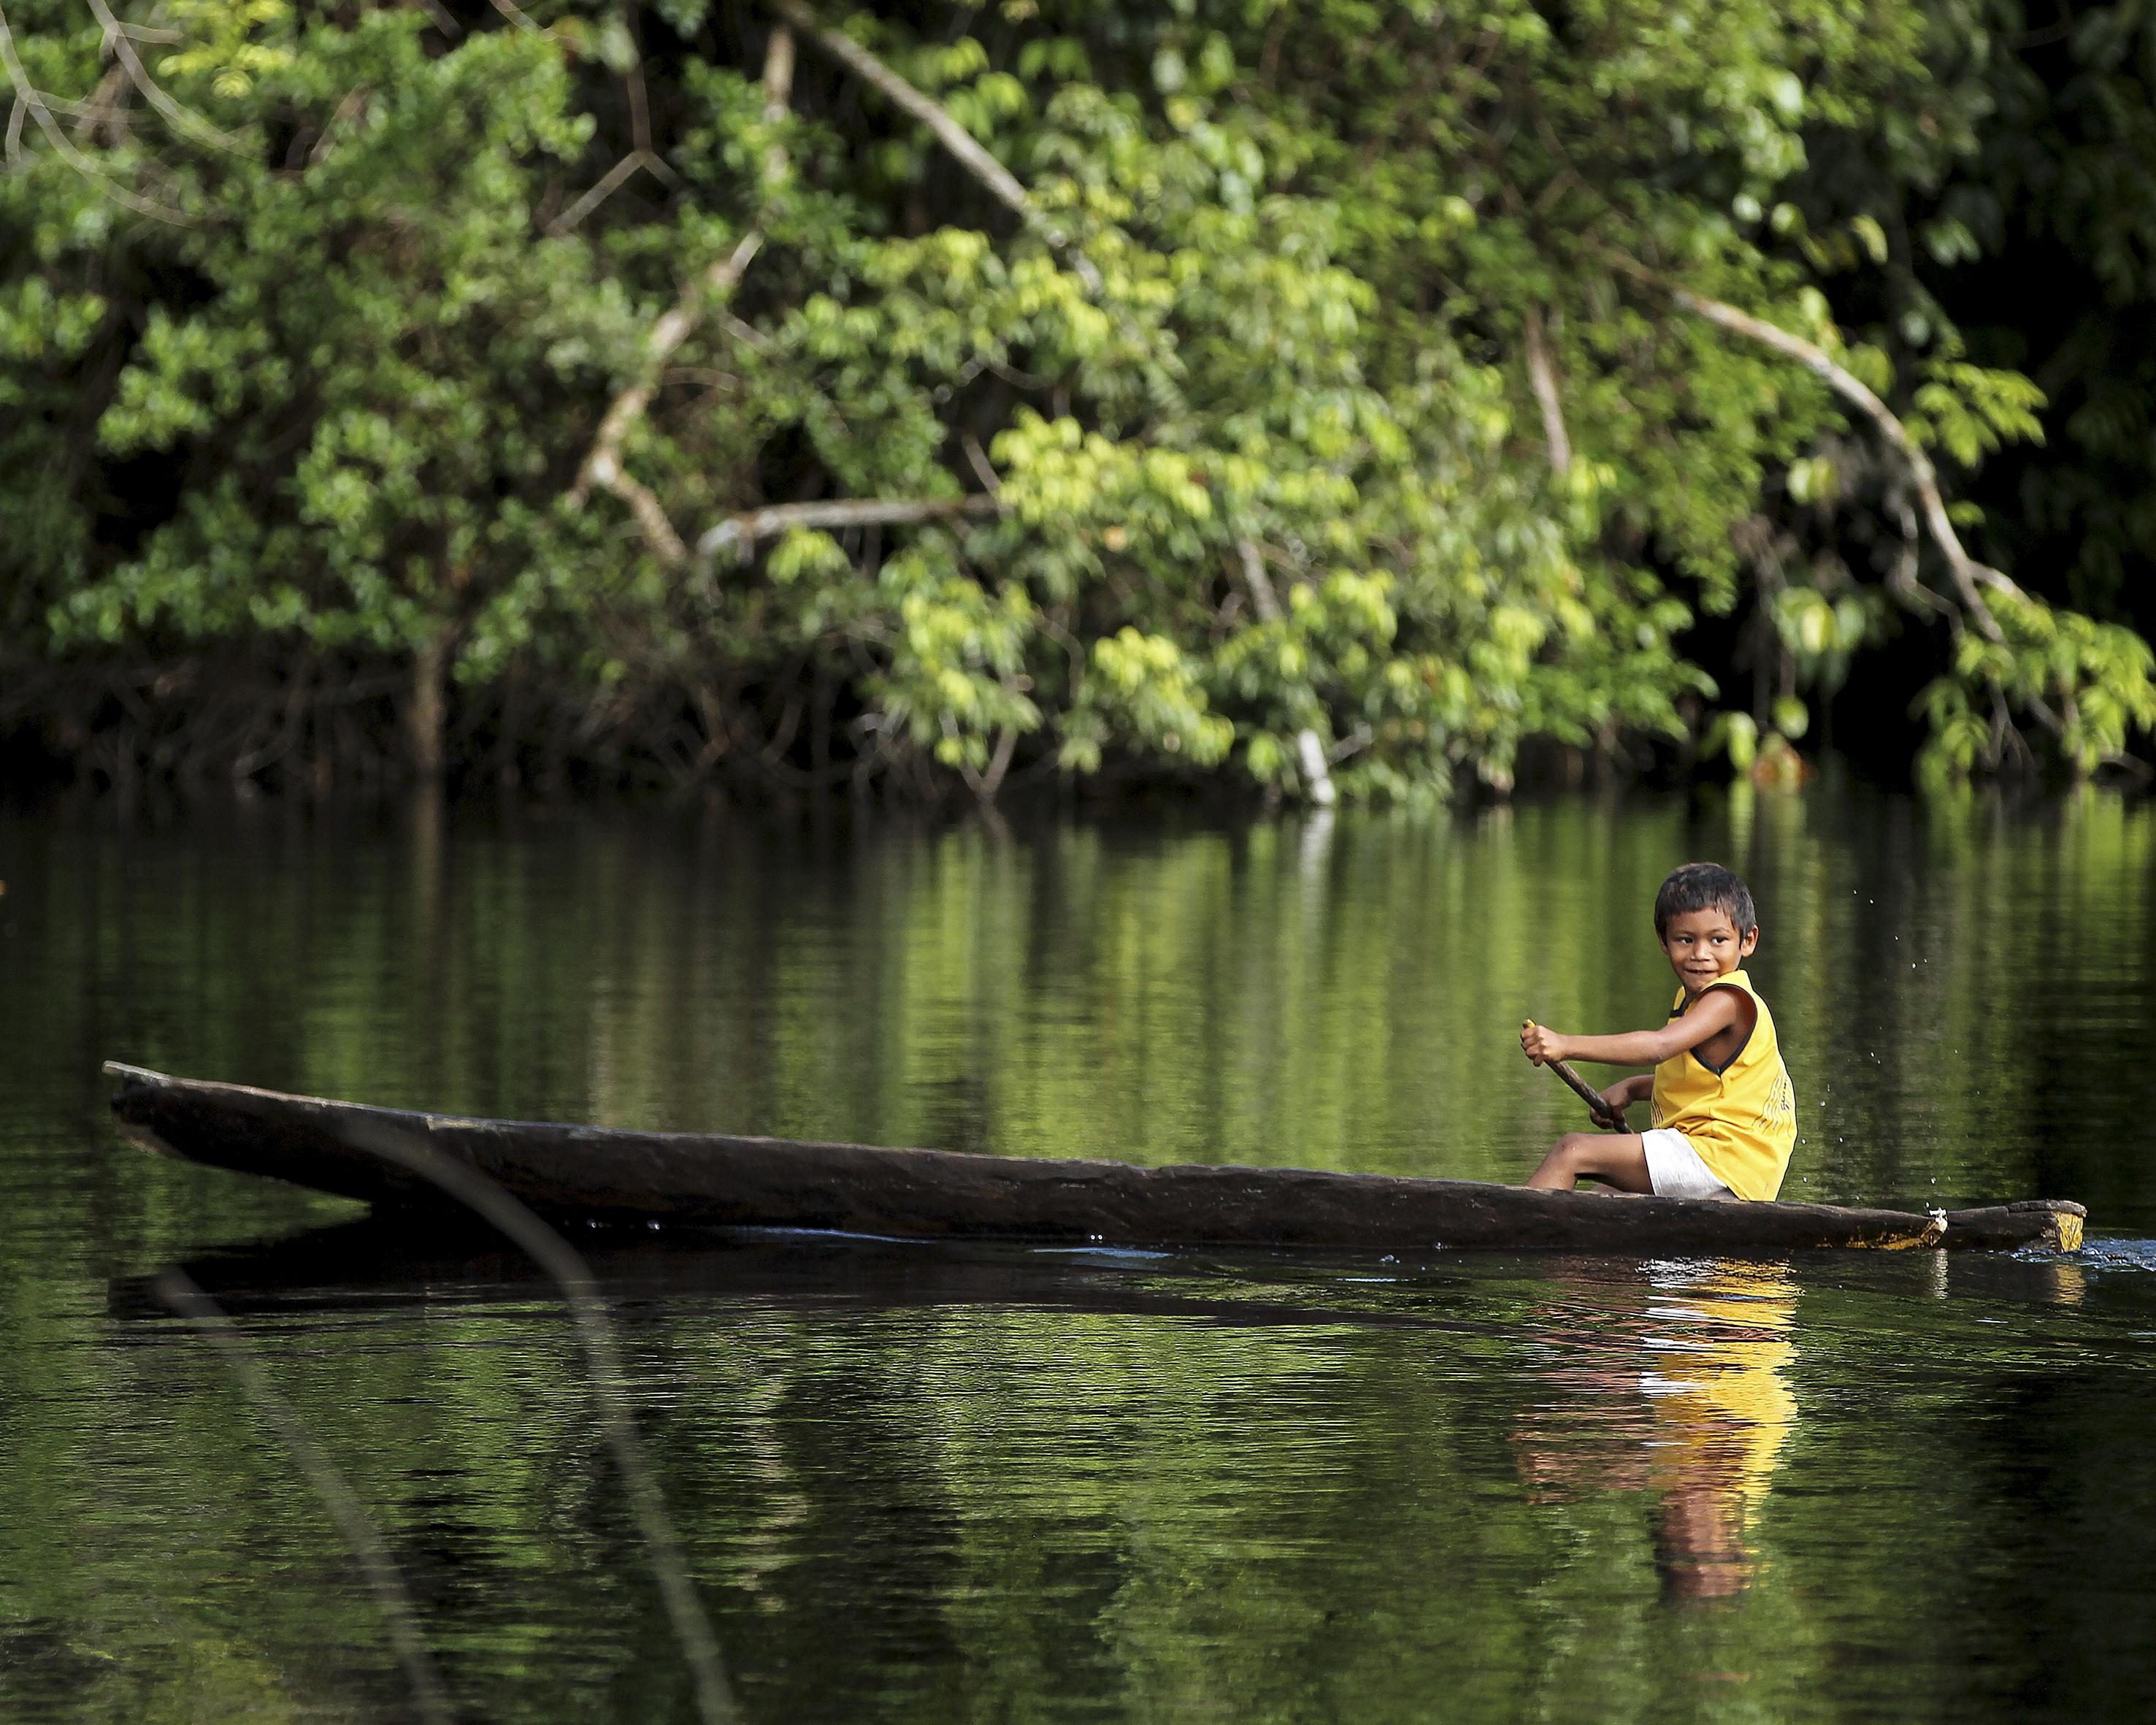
{"points": [[1970, 411], [381, 280], [2095, 676]]}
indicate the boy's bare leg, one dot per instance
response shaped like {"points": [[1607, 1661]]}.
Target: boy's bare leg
{"points": [[1620, 1159]]}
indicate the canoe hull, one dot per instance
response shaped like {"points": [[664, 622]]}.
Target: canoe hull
{"points": [[582, 1173]]}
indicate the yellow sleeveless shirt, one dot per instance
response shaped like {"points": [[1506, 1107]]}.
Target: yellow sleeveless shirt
{"points": [[1742, 1120]]}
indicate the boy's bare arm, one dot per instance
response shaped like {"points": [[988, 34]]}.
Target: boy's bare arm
{"points": [[1622, 1094], [1712, 1013]]}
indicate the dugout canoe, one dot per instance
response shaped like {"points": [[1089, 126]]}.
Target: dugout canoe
{"points": [[579, 1174]]}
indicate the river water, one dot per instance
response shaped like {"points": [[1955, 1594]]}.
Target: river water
{"points": [[1001, 1484]]}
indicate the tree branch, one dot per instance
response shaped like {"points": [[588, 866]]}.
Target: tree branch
{"points": [[28, 94], [1543, 379], [1969, 575], [778, 98], [1263, 599], [347, 110], [607, 185], [962, 146], [977, 459], [738, 534], [183, 118], [102, 110], [985, 785], [603, 466]]}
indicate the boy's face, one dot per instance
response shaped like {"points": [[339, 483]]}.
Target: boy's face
{"points": [[1704, 946]]}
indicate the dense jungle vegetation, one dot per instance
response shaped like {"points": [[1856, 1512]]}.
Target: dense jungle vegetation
{"points": [[1325, 396]]}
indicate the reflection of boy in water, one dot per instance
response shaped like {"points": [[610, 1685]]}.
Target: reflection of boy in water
{"points": [[1725, 1117], [1684, 1396], [1722, 1412]]}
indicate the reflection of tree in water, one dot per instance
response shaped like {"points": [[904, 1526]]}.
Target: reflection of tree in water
{"points": [[1673, 1385]]}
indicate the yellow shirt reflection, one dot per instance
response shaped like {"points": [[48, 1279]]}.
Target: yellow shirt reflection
{"points": [[1722, 1411]]}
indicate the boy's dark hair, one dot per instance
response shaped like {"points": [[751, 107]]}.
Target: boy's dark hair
{"points": [[1704, 886]]}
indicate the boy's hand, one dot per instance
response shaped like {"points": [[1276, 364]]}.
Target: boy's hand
{"points": [[1613, 1104], [1543, 1045]]}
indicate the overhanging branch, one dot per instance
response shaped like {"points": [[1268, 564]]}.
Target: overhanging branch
{"points": [[1970, 575], [737, 534], [962, 146]]}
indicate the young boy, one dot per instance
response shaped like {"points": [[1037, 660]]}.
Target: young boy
{"points": [[1725, 1116]]}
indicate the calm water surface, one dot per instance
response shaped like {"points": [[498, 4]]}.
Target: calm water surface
{"points": [[1009, 1484]]}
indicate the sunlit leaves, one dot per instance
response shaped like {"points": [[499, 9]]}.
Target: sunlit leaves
{"points": [[1970, 410], [229, 44], [1265, 458], [1144, 684]]}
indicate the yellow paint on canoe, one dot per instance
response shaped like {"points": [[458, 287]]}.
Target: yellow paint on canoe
{"points": [[1930, 1234]]}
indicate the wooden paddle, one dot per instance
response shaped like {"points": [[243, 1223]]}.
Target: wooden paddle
{"points": [[1604, 1114]]}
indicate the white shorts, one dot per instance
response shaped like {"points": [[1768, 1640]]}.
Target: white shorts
{"points": [[1675, 1169]]}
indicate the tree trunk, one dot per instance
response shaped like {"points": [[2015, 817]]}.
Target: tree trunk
{"points": [[426, 705]]}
